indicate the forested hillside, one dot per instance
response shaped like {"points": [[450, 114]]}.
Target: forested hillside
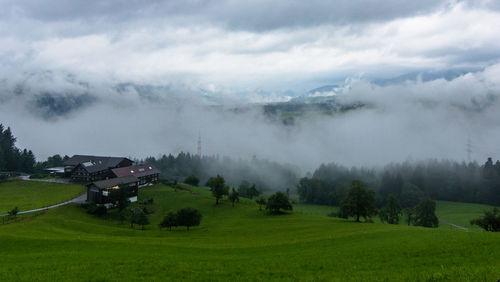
{"points": [[440, 180]]}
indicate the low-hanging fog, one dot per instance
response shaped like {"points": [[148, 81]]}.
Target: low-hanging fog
{"points": [[409, 120]]}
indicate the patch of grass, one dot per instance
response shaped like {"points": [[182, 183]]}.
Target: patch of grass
{"points": [[27, 195], [460, 213], [239, 243], [314, 209]]}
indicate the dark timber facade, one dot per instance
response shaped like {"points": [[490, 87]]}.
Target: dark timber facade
{"points": [[99, 192]]}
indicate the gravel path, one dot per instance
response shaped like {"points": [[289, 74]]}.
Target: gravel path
{"points": [[79, 199], [454, 225]]}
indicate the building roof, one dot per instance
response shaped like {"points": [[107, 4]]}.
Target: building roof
{"points": [[79, 159], [108, 183], [94, 163], [136, 170]]}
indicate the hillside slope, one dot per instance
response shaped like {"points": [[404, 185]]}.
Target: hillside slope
{"points": [[240, 243]]}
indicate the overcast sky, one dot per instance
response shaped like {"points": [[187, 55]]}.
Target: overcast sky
{"points": [[250, 51], [270, 45]]}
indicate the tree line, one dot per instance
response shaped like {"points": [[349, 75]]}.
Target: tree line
{"points": [[408, 182], [13, 159], [359, 201]]}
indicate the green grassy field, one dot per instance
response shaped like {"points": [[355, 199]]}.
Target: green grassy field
{"points": [[27, 195], [240, 243]]}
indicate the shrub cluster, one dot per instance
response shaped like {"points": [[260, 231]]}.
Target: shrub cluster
{"points": [[490, 221], [183, 217], [94, 209]]}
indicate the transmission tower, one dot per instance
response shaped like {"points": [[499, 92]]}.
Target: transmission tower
{"points": [[199, 144], [469, 149]]}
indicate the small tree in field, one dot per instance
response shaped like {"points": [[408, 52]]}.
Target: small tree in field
{"points": [[170, 220], [188, 217], [391, 211], [278, 201], [142, 219], [425, 213], [218, 187], [261, 201], [192, 180], [490, 221], [359, 202], [136, 216], [234, 196]]}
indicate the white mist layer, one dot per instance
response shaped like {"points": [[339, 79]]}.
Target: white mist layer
{"points": [[413, 120]]}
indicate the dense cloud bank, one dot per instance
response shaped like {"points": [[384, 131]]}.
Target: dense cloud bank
{"points": [[242, 45], [409, 120]]}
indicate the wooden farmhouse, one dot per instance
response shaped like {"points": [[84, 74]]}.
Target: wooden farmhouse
{"points": [[105, 174], [84, 168], [99, 191], [146, 173]]}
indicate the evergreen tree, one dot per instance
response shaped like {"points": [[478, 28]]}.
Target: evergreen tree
{"points": [[11, 158]]}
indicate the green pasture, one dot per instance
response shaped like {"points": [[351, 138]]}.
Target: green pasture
{"points": [[27, 195], [237, 243]]}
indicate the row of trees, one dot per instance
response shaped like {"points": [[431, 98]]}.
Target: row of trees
{"points": [[276, 202], [12, 158], [408, 182], [360, 202]]}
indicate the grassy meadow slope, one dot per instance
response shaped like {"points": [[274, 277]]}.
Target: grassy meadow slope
{"points": [[240, 243], [460, 213], [27, 195]]}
